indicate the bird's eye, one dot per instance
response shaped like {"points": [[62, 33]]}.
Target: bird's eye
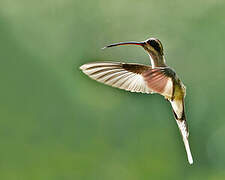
{"points": [[155, 45]]}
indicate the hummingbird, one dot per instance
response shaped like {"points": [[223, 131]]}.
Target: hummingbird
{"points": [[157, 78]]}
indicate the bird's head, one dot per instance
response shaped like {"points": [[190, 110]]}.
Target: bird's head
{"points": [[152, 45]]}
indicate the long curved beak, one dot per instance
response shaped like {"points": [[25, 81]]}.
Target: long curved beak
{"points": [[125, 43]]}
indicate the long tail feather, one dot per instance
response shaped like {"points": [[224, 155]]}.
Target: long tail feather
{"points": [[183, 129], [179, 114]]}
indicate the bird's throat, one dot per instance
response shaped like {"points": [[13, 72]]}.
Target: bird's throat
{"points": [[157, 61]]}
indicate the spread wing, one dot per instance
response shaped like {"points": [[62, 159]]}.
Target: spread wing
{"points": [[120, 75], [130, 77]]}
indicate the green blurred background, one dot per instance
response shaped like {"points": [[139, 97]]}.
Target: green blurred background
{"points": [[57, 124]]}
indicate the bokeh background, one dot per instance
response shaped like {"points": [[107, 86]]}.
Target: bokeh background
{"points": [[57, 124]]}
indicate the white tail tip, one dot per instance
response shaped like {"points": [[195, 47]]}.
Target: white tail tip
{"points": [[183, 129], [187, 147]]}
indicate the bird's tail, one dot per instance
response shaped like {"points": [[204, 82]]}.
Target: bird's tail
{"points": [[179, 114], [184, 132]]}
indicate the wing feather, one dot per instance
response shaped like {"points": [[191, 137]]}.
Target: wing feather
{"points": [[131, 77], [121, 75], [159, 81]]}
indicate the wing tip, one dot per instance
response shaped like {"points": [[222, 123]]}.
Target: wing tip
{"points": [[83, 67], [103, 63]]}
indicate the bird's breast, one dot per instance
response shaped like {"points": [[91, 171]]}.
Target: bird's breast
{"points": [[179, 89]]}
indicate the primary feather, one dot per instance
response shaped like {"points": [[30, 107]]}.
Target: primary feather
{"points": [[121, 75]]}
